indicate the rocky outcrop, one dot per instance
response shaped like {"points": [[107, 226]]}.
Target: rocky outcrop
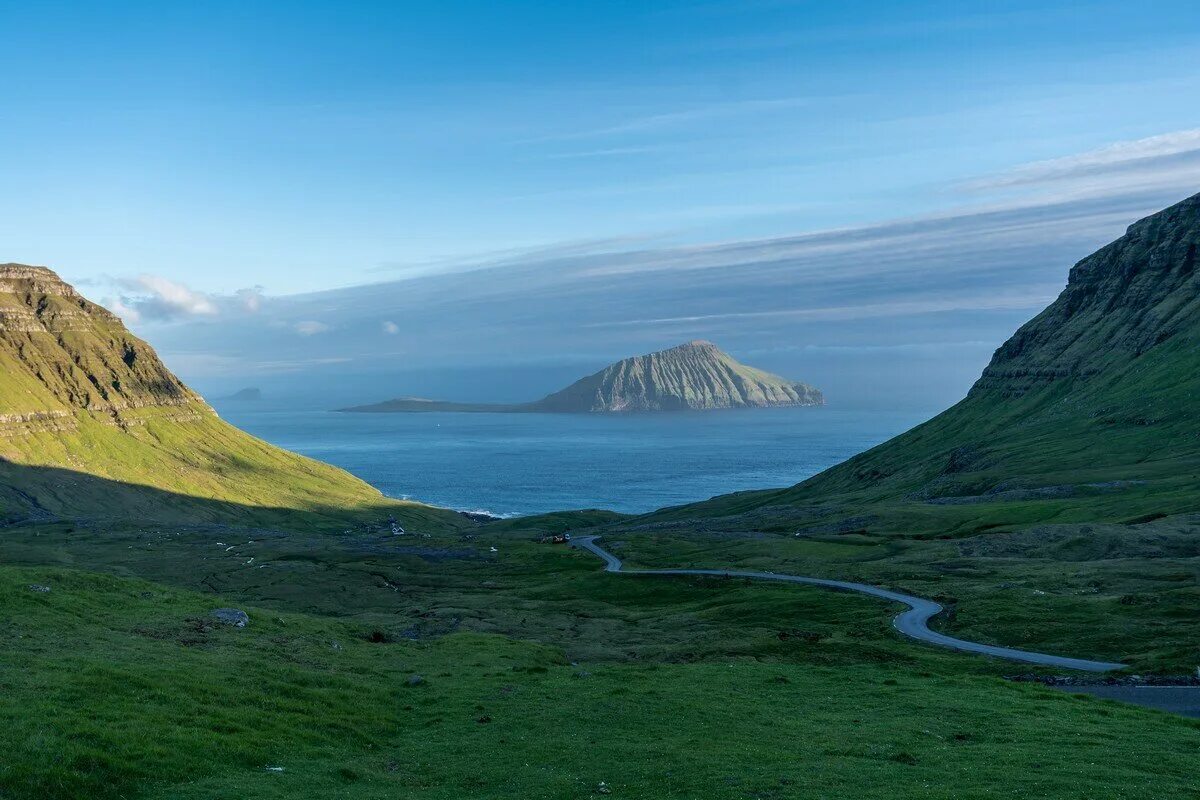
{"points": [[61, 354], [94, 426], [36, 422], [1133, 295], [234, 617], [697, 376]]}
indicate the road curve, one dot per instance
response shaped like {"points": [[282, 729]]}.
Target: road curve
{"points": [[913, 623]]}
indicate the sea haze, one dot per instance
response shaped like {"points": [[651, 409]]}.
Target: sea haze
{"points": [[516, 464]]}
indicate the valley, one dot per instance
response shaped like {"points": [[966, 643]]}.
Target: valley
{"points": [[1052, 511], [668, 400]]}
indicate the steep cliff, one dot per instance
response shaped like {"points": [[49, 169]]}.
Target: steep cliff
{"points": [[61, 354], [1121, 302], [1103, 385], [93, 424]]}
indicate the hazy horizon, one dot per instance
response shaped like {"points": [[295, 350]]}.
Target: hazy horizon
{"points": [[901, 315], [483, 203]]}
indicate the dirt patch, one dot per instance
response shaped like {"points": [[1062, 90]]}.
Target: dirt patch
{"points": [[193, 632]]}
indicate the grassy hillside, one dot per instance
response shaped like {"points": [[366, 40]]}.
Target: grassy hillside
{"points": [[1102, 386], [1055, 504], [92, 424]]}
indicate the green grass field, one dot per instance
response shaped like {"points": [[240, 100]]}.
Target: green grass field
{"points": [[541, 677], [1119, 592], [116, 687]]}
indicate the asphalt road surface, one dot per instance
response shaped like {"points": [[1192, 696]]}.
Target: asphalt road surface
{"points": [[1184, 700], [913, 623]]}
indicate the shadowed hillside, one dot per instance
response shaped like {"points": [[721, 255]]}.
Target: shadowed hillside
{"points": [[35, 495], [1097, 395]]}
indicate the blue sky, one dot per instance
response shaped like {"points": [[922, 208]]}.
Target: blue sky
{"points": [[222, 162]]}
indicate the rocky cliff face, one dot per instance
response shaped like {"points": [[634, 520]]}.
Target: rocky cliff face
{"points": [[1129, 297], [60, 353], [696, 376], [93, 425], [1104, 383]]}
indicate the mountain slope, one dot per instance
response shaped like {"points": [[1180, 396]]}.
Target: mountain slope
{"points": [[92, 424], [1057, 503], [1103, 386], [697, 376]]}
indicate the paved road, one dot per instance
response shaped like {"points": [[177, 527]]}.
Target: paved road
{"points": [[1184, 700], [913, 622]]}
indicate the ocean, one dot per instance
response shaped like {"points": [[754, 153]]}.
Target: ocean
{"points": [[518, 464]]}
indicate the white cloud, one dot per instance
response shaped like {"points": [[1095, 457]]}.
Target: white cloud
{"points": [[208, 365], [153, 298], [310, 327], [604, 152], [117, 306], [991, 300], [970, 274], [391, 328], [683, 117], [250, 299], [157, 298], [1138, 155]]}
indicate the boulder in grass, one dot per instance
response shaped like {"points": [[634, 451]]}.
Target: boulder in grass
{"points": [[231, 616], [37, 587]]}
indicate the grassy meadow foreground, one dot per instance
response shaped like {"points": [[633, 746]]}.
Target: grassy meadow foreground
{"points": [[436, 668]]}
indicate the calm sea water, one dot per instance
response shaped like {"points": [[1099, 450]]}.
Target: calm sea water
{"points": [[511, 464]]}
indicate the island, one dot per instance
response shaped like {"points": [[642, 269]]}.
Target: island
{"points": [[696, 376]]}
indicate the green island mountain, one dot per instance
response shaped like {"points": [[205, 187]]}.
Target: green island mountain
{"points": [[696, 376], [92, 424]]}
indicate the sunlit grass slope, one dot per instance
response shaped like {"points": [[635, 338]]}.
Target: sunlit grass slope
{"points": [[92, 424]]}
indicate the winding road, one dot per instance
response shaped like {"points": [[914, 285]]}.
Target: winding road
{"points": [[912, 623]]}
